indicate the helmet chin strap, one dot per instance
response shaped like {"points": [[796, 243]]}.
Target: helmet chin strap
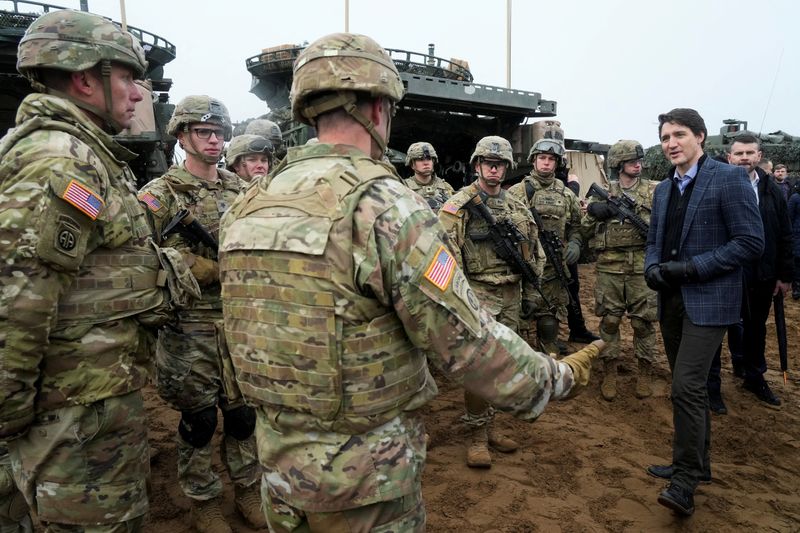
{"points": [[109, 124], [347, 101]]}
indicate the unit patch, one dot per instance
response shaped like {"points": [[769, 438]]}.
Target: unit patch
{"points": [[83, 199], [441, 269], [66, 236]]}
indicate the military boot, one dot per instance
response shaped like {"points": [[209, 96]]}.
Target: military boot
{"points": [[644, 388], [609, 386], [478, 455], [500, 442], [248, 503], [206, 516]]}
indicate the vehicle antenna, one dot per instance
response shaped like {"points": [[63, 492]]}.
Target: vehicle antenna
{"points": [[772, 90]]}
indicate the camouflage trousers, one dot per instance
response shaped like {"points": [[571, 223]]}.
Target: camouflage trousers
{"points": [[189, 379], [401, 515], [14, 517], [504, 302], [557, 296], [616, 294], [85, 467]]}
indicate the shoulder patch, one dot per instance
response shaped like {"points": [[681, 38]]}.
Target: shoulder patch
{"points": [[450, 208], [440, 271], [83, 198], [150, 201]]}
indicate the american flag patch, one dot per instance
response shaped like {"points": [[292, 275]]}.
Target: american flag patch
{"points": [[151, 201], [83, 199], [441, 269], [450, 208]]}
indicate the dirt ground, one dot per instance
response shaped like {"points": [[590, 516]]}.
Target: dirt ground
{"points": [[580, 467]]}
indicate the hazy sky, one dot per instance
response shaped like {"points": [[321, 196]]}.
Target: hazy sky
{"points": [[611, 65]]}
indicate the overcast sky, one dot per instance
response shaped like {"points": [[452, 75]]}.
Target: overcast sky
{"points": [[611, 65]]}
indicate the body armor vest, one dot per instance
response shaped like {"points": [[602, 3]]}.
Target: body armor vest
{"points": [[435, 193], [480, 258], [612, 234], [550, 201], [118, 277], [301, 335]]}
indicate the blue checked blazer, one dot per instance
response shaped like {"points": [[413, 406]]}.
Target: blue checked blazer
{"points": [[721, 232]]}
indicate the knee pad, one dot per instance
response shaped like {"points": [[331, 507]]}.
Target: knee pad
{"points": [[642, 328], [197, 427], [239, 422], [610, 324], [547, 329]]}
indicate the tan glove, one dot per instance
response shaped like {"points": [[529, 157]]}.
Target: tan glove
{"points": [[205, 271], [581, 364]]}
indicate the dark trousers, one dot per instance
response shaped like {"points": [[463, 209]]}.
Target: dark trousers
{"points": [[690, 349], [759, 299], [736, 347], [575, 319]]}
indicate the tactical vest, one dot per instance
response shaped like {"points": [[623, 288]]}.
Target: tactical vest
{"points": [[612, 234], [301, 335], [119, 276], [551, 202], [434, 192], [207, 205], [480, 258]]}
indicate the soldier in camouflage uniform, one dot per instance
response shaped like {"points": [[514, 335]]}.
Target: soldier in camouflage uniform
{"points": [[421, 159], [14, 513], [337, 282], [249, 156], [500, 289], [188, 360], [82, 282], [561, 213], [270, 131], [620, 285]]}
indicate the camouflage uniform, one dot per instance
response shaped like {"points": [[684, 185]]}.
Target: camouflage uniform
{"points": [[187, 357], [561, 213], [620, 285], [81, 282], [14, 517], [498, 287], [336, 283], [436, 191]]}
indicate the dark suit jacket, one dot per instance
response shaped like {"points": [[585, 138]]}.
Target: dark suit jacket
{"points": [[721, 232], [776, 261]]}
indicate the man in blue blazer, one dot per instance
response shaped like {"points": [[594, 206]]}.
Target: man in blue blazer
{"points": [[704, 226]]}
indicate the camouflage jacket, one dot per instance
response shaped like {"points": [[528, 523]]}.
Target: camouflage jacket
{"points": [[356, 254], [79, 269], [620, 248], [206, 201], [474, 250], [436, 192]]}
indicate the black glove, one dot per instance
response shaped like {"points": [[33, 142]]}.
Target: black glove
{"points": [[678, 272], [528, 309], [655, 280], [600, 210]]}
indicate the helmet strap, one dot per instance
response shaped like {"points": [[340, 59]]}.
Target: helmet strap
{"points": [[211, 160], [347, 101]]}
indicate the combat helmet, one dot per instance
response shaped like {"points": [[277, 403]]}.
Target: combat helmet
{"points": [[73, 41], [494, 147], [332, 69], [265, 128], [420, 150], [546, 146], [200, 109], [622, 151], [246, 144]]}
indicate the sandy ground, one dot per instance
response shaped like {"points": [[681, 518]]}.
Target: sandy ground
{"points": [[580, 467]]}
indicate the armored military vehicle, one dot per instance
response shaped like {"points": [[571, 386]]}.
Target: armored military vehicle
{"points": [[778, 146], [443, 105], [145, 137]]}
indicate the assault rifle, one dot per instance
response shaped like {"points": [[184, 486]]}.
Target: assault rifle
{"points": [[780, 330], [505, 237], [552, 246], [184, 224], [624, 206]]}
